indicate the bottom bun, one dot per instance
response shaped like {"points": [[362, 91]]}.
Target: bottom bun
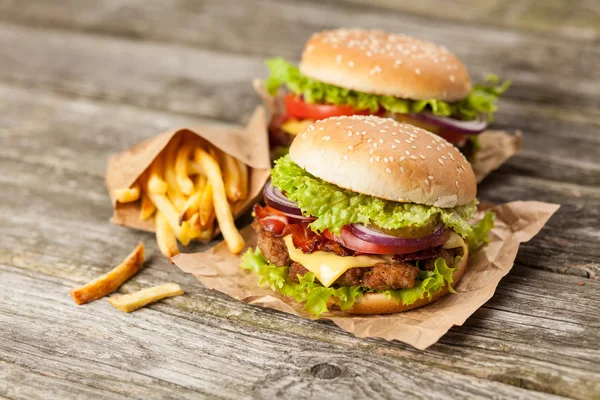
{"points": [[378, 303]]}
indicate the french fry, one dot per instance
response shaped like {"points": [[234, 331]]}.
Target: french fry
{"points": [[131, 302], [110, 281], [243, 168], [231, 178], [194, 168], [191, 206], [156, 183], [173, 191], [200, 182], [206, 205], [181, 173], [128, 195], [232, 236], [163, 204], [165, 237], [147, 208]]}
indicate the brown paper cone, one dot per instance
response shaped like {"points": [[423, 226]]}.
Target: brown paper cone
{"points": [[249, 144], [496, 146], [516, 222]]}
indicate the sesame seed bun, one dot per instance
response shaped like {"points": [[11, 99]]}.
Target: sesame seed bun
{"points": [[383, 158], [378, 303], [376, 62]]}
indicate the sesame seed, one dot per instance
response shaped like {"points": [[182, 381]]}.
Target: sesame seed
{"points": [[440, 161], [304, 135], [380, 140], [382, 131], [456, 183], [350, 147], [422, 156], [349, 134], [402, 169], [369, 140], [394, 133], [321, 129], [371, 151], [451, 157], [444, 157], [417, 71], [388, 170], [408, 141], [401, 158], [407, 152], [414, 147], [377, 158], [391, 159], [326, 138], [385, 159], [430, 177], [394, 147], [429, 147], [371, 159], [427, 182], [363, 133], [351, 64], [413, 157], [452, 79], [396, 140], [345, 156], [375, 145]]}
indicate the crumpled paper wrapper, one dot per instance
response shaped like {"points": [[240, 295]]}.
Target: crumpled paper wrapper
{"points": [[249, 144], [496, 146], [516, 222]]}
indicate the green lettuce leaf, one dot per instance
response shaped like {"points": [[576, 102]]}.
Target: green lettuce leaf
{"points": [[315, 296], [480, 231], [482, 98], [335, 207]]}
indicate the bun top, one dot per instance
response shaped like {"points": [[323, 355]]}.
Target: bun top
{"points": [[376, 62], [383, 158]]}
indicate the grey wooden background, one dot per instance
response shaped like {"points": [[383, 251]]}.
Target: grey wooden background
{"points": [[82, 79]]}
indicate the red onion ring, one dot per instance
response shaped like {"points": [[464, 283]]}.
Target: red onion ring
{"points": [[274, 198], [372, 235], [473, 127]]}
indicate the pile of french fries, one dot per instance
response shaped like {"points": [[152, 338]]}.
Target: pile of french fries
{"points": [[189, 185]]}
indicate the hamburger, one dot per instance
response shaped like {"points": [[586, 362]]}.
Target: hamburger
{"points": [[367, 215], [370, 72]]}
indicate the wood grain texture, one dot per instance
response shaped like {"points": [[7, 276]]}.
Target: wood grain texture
{"points": [[280, 28], [554, 18]]}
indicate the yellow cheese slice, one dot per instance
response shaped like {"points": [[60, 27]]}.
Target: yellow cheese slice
{"points": [[327, 266], [294, 126]]}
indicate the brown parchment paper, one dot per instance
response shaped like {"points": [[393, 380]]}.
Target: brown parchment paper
{"points": [[249, 144], [516, 222], [496, 146]]}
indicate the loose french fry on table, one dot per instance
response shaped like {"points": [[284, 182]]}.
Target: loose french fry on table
{"points": [[156, 182], [110, 281], [165, 237], [232, 236], [133, 301], [128, 195], [231, 178], [181, 173]]}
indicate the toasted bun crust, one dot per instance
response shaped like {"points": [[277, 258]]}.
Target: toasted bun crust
{"points": [[383, 158], [376, 62], [377, 303]]}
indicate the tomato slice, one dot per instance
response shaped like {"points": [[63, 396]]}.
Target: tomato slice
{"points": [[297, 108], [347, 239]]}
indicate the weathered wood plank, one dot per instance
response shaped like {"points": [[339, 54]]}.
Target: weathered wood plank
{"points": [[182, 343], [553, 18], [283, 27], [153, 353]]}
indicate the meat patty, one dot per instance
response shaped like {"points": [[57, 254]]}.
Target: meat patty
{"points": [[382, 276], [272, 247], [447, 254]]}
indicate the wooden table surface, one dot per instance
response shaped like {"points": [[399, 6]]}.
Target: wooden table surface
{"points": [[82, 79]]}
